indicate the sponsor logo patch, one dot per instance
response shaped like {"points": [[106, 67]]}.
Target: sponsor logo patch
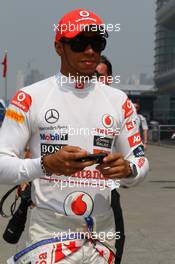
{"points": [[127, 108], [13, 115], [135, 139], [103, 142], [131, 124], [88, 174], [50, 148], [108, 132], [52, 116], [79, 85], [53, 137], [22, 100], [78, 203], [107, 121], [98, 151], [63, 129], [139, 151], [141, 162]]}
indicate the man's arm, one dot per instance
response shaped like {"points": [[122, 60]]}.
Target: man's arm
{"points": [[14, 135], [128, 162], [145, 131]]}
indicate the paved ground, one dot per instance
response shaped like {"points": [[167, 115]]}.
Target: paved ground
{"points": [[149, 212]]}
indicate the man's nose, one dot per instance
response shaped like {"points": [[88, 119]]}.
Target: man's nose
{"points": [[89, 49]]}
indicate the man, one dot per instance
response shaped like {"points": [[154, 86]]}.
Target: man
{"points": [[73, 221], [104, 73], [143, 126]]}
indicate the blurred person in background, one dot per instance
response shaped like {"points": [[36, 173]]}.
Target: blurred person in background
{"points": [[143, 126], [104, 74], [104, 71]]}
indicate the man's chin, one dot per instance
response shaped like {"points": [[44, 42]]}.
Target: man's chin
{"points": [[87, 72]]}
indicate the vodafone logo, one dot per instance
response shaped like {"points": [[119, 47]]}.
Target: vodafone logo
{"points": [[135, 139], [21, 96], [107, 121], [84, 13], [79, 85], [78, 203], [22, 100]]}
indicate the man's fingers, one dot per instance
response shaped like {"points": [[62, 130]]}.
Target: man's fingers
{"points": [[112, 157], [82, 165], [111, 164], [72, 148], [75, 155], [109, 171], [114, 176]]}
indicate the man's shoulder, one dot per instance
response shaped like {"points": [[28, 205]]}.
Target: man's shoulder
{"points": [[141, 117], [39, 88], [113, 92]]}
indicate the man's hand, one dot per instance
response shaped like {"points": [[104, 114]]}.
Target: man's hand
{"points": [[114, 166], [63, 162]]}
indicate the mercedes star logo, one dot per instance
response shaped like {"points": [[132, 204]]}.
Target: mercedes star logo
{"points": [[51, 116]]}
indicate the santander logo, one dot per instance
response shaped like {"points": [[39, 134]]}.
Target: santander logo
{"points": [[78, 203]]}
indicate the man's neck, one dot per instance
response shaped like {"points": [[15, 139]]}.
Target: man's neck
{"points": [[79, 77]]}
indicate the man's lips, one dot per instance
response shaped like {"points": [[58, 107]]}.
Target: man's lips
{"points": [[88, 62]]}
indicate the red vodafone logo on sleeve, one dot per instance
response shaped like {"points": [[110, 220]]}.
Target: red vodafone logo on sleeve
{"points": [[127, 108], [22, 100], [135, 139]]}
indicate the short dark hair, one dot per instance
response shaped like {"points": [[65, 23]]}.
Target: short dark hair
{"points": [[104, 59]]}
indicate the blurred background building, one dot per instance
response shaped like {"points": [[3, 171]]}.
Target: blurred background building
{"points": [[33, 76], [164, 67]]}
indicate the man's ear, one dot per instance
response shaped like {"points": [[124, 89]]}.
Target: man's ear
{"points": [[59, 48]]}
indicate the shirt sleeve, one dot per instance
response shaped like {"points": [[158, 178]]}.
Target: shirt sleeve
{"points": [[15, 133], [129, 143], [143, 123]]}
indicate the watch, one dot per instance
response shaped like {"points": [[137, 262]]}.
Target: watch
{"points": [[134, 170]]}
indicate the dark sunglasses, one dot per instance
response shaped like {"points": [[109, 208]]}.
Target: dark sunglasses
{"points": [[80, 43]]}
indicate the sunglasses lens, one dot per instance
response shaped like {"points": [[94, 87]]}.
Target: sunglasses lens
{"points": [[98, 44], [80, 43], [78, 46]]}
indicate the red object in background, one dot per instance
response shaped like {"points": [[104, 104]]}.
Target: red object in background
{"points": [[4, 63]]}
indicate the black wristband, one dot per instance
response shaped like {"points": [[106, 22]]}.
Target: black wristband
{"points": [[43, 168]]}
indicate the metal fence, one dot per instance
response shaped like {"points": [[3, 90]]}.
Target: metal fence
{"points": [[162, 133]]}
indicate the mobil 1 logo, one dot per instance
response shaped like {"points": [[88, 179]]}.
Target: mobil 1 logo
{"points": [[47, 149]]}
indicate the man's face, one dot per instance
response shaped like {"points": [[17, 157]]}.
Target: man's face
{"points": [[136, 107], [102, 72], [78, 63]]}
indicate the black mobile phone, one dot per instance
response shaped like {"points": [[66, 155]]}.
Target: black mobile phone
{"points": [[94, 157]]}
